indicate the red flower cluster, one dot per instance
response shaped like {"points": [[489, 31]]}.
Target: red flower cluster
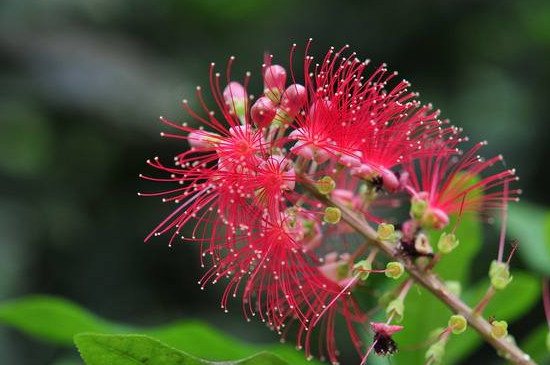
{"points": [[367, 142]]}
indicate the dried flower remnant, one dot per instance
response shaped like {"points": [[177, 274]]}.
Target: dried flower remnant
{"points": [[269, 186]]}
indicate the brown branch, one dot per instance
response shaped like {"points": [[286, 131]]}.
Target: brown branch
{"points": [[430, 281]]}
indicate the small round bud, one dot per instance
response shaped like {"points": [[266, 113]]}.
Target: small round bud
{"points": [[435, 218], [389, 180], [362, 269], [394, 270], [458, 324], [386, 232], [447, 242], [293, 99], [325, 185], [235, 98], [202, 139], [454, 287], [436, 352], [396, 308], [274, 82], [332, 215], [418, 208], [499, 273], [422, 244], [499, 329], [263, 111]]}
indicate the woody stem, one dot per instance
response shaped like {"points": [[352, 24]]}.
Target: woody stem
{"points": [[429, 280]]}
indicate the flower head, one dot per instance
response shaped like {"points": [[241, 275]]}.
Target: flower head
{"points": [[267, 186]]}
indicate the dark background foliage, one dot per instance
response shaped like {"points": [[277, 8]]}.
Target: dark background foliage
{"points": [[83, 83]]}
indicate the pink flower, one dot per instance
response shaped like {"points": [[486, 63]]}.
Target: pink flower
{"points": [[239, 189], [452, 183]]}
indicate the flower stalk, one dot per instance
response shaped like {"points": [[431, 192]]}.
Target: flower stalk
{"points": [[430, 281]]}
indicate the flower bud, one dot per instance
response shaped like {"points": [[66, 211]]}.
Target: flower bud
{"points": [[362, 269], [293, 99], [499, 273], [202, 139], [447, 242], [422, 245], [436, 352], [235, 98], [389, 180], [386, 232], [454, 287], [351, 160], [499, 329], [435, 218], [385, 329], [263, 111], [397, 308], [458, 324], [325, 185], [394, 269], [418, 208], [332, 215], [274, 82]]}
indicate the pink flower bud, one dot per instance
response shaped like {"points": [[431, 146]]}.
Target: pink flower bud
{"points": [[294, 98], [363, 171], [274, 80], [350, 160], [385, 329], [435, 218], [235, 97], [202, 139], [263, 111], [390, 181]]}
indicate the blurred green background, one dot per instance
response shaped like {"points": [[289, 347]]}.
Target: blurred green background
{"points": [[83, 83]]}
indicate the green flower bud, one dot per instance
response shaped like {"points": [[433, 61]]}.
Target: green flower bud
{"points": [[436, 351], [499, 273], [499, 329], [386, 232], [397, 308], [394, 269], [418, 207], [447, 242], [454, 287], [458, 324], [362, 269], [332, 215], [325, 185]]}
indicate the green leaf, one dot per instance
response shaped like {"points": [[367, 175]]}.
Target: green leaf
{"points": [[50, 319], [509, 304], [531, 225], [97, 349], [58, 320]]}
